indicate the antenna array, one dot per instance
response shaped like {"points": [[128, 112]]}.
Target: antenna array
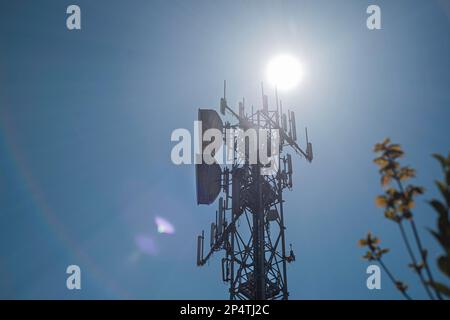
{"points": [[249, 223]]}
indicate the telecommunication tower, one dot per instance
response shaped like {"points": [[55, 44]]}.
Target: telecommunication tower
{"points": [[249, 225]]}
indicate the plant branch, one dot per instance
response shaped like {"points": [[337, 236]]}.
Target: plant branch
{"points": [[419, 245], [395, 282], [414, 260], [424, 258]]}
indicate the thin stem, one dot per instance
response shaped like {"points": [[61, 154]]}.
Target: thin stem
{"points": [[385, 268], [424, 258], [419, 245], [414, 261]]}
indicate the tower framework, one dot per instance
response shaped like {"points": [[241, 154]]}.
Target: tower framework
{"points": [[249, 226]]}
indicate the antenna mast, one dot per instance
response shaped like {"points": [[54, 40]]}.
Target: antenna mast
{"points": [[249, 225]]}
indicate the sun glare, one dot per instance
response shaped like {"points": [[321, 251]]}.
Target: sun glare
{"points": [[284, 72]]}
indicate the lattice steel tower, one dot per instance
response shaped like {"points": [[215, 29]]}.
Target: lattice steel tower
{"points": [[249, 225]]}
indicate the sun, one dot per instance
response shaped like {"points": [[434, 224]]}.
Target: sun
{"points": [[284, 71]]}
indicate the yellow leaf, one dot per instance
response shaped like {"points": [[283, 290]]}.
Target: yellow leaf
{"points": [[381, 162], [380, 201], [385, 180], [381, 146], [390, 214], [395, 147]]}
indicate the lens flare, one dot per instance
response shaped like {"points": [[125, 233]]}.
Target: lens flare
{"points": [[164, 226], [146, 244]]}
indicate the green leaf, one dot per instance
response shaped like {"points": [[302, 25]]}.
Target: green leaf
{"points": [[442, 288], [443, 188], [444, 229], [444, 265], [441, 160], [438, 238], [438, 206]]}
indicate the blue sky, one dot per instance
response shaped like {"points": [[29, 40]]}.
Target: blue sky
{"points": [[86, 118]]}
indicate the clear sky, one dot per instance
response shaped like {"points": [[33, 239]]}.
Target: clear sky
{"points": [[86, 118]]}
